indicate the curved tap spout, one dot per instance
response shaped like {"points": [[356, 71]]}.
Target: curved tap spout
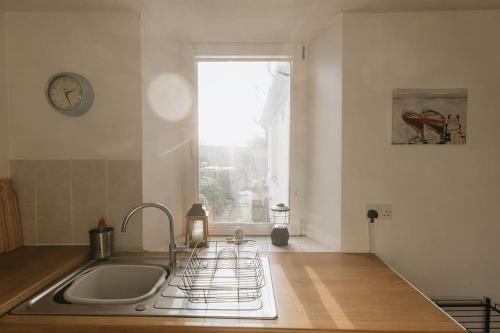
{"points": [[172, 245]]}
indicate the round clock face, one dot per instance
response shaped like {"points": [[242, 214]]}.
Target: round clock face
{"points": [[65, 92], [69, 93]]}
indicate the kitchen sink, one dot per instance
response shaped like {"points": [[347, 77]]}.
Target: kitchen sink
{"points": [[116, 284], [139, 286]]}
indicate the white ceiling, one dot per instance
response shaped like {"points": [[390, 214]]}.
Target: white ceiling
{"points": [[250, 5], [242, 20]]}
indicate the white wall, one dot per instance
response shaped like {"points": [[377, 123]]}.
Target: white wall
{"points": [[48, 148], [323, 198], [167, 136], [445, 230], [4, 127], [103, 47]]}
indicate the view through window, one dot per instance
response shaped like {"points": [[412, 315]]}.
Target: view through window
{"points": [[243, 138]]}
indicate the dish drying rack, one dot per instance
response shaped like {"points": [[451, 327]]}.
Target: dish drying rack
{"points": [[223, 272]]}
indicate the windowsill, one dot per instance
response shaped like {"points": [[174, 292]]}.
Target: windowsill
{"points": [[295, 244], [226, 223]]}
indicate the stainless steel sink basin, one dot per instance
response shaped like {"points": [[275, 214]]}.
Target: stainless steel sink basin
{"points": [[166, 299]]}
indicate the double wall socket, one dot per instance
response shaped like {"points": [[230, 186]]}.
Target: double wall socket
{"points": [[384, 210]]}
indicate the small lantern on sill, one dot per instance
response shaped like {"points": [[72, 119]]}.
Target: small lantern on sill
{"points": [[197, 226], [280, 220]]}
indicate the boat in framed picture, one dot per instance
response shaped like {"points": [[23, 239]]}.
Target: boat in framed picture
{"points": [[429, 116]]}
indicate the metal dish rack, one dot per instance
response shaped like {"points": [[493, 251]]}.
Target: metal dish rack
{"points": [[475, 315], [223, 272]]}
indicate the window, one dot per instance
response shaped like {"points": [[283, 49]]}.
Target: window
{"points": [[243, 137]]}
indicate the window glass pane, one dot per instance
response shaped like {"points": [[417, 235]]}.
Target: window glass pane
{"points": [[243, 138]]}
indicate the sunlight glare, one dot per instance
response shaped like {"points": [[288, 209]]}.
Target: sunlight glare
{"points": [[328, 300], [231, 100], [170, 96]]}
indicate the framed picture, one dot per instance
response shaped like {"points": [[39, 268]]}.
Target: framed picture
{"points": [[429, 116]]}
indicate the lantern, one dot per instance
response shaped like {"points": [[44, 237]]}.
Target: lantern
{"points": [[197, 226], [280, 214]]}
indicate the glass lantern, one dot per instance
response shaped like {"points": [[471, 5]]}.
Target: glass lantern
{"points": [[197, 226], [280, 215]]}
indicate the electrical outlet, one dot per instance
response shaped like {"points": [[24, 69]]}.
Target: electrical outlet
{"points": [[384, 211]]}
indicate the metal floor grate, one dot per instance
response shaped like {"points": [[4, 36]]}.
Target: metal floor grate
{"points": [[476, 315]]}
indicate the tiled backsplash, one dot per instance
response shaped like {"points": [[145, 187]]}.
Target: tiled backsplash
{"points": [[60, 200]]}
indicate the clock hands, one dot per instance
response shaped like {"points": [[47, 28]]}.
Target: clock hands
{"points": [[67, 98]]}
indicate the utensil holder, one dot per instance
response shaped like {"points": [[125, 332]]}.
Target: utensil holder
{"points": [[101, 242]]}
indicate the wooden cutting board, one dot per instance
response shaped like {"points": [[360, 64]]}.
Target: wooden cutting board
{"points": [[11, 232], [3, 232]]}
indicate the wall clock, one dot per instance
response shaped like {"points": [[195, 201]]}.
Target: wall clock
{"points": [[69, 93]]}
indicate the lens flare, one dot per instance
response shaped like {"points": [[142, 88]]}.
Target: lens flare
{"points": [[170, 96]]}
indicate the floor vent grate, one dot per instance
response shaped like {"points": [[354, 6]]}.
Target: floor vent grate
{"points": [[476, 315]]}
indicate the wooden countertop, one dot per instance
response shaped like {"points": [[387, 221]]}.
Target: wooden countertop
{"points": [[324, 292], [29, 269]]}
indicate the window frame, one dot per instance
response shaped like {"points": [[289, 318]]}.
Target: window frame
{"points": [[259, 52]]}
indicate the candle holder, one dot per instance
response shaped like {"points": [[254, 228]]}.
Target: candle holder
{"points": [[197, 226]]}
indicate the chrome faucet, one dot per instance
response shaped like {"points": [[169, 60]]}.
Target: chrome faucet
{"points": [[172, 247]]}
